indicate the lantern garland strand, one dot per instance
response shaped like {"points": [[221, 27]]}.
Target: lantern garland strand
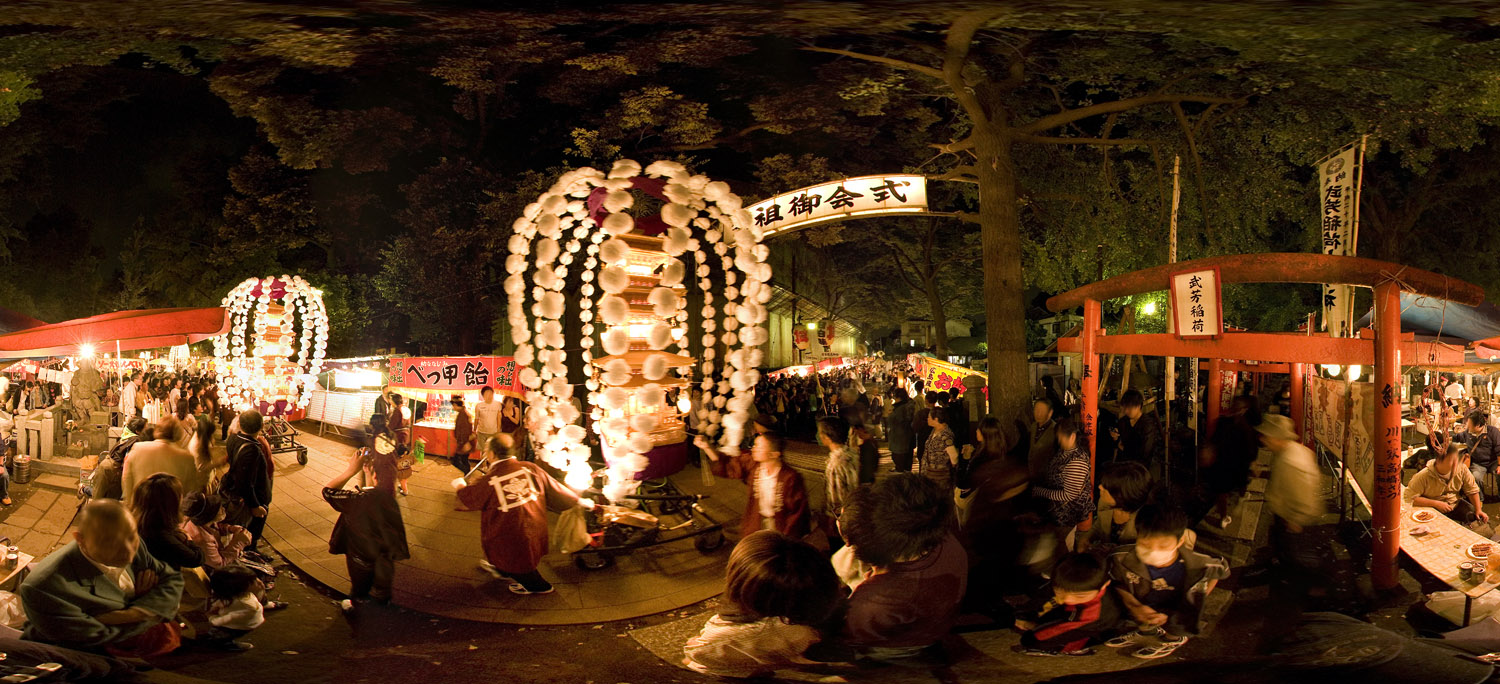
{"points": [[249, 305], [557, 231]]}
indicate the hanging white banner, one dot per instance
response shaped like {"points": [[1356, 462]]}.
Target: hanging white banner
{"points": [[1338, 207], [1197, 304], [838, 200]]}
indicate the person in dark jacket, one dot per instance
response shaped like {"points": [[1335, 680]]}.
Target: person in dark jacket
{"points": [[1232, 449], [369, 533], [107, 475], [958, 419], [157, 508], [1138, 434], [463, 437], [898, 430], [1483, 441], [919, 425], [248, 482]]}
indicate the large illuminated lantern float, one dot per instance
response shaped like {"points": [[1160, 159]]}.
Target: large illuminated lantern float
{"points": [[274, 350], [628, 278]]}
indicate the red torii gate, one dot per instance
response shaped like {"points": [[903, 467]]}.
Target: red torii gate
{"points": [[1386, 349]]}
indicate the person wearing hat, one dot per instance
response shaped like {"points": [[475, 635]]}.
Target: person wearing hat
{"points": [[1446, 485], [1293, 495]]}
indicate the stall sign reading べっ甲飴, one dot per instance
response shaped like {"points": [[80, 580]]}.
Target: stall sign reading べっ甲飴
{"points": [[457, 374]]}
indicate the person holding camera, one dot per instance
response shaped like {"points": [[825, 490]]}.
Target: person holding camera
{"points": [[369, 533]]}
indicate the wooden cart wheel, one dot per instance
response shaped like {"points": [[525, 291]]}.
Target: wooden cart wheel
{"points": [[593, 561], [708, 542]]}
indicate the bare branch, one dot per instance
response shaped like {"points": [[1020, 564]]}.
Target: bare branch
{"points": [[1192, 142], [959, 173], [960, 38], [1052, 121], [956, 146], [888, 61], [968, 217]]}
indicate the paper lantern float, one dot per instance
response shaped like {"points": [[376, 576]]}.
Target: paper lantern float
{"points": [[633, 294], [276, 374]]}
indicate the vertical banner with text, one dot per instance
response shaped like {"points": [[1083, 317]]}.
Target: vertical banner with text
{"points": [[1338, 210]]}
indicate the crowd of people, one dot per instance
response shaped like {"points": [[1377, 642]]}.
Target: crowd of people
{"points": [[983, 518]]}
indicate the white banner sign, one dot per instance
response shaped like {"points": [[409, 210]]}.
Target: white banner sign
{"points": [[1338, 199], [1197, 305], [862, 196]]}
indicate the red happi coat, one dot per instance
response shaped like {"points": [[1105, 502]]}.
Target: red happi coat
{"points": [[792, 516], [514, 497]]}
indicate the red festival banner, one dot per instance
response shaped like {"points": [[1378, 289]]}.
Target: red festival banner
{"points": [[441, 374]]}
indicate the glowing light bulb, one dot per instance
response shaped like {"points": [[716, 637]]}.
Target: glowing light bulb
{"points": [[1333, 369], [1149, 308], [1355, 371]]}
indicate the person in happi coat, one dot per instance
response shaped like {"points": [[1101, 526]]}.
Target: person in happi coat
{"points": [[514, 497]]}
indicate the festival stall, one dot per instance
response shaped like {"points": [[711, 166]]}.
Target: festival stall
{"points": [[790, 372], [346, 393], [433, 380], [940, 376]]}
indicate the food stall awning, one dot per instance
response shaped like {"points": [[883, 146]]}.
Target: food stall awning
{"points": [[1447, 320], [132, 330]]}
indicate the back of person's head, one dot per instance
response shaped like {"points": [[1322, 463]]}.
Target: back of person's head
{"points": [[774, 441], [954, 394], [231, 581], [500, 445], [1079, 572], [899, 518], [834, 428], [1128, 483], [182, 409], [202, 508], [156, 503], [250, 422], [167, 429], [1249, 407], [106, 533], [899, 394], [384, 468], [1067, 428], [1047, 381], [992, 431], [933, 398], [771, 575], [1160, 520], [1132, 398], [136, 424]]}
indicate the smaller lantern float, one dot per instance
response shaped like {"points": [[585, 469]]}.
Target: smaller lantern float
{"points": [[274, 350]]}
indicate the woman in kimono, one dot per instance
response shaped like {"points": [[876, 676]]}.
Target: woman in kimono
{"points": [[514, 497]]}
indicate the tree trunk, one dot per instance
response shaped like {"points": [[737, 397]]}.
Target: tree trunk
{"points": [[1004, 300], [939, 315]]}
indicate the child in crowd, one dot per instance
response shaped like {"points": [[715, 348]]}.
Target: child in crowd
{"points": [[1078, 613], [776, 588], [238, 606], [1123, 489], [204, 525], [1162, 583]]}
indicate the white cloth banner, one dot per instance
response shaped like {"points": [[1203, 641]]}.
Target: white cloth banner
{"points": [[862, 196], [1196, 304], [1338, 177]]}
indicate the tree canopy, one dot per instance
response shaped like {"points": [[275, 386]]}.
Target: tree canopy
{"points": [[382, 149]]}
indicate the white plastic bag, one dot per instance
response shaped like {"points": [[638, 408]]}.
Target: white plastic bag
{"points": [[1450, 605], [572, 531], [11, 613]]}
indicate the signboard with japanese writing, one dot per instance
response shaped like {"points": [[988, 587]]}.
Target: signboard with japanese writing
{"points": [[1338, 207], [862, 196], [1329, 413], [457, 374], [1197, 304]]}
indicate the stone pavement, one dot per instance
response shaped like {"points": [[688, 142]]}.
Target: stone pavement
{"points": [[442, 577], [40, 517]]}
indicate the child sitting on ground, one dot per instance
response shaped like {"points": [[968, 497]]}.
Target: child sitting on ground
{"points": [[1162, 584], [1078, 613], [776, 588], [204, 525], [238, 606]]}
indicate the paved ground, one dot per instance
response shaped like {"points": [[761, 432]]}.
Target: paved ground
{"points": [[441, 578], [313, 642]]}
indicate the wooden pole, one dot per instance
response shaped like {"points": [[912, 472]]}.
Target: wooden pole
{"points": [[1170, 389]]}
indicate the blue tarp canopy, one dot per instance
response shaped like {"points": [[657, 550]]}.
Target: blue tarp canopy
{"points": [[1432, 318]]}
